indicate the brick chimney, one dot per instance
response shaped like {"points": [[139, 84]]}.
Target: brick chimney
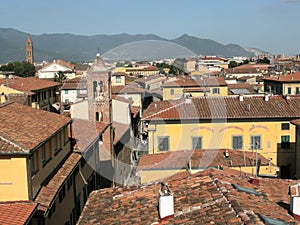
{"points": [[166, 202], [294, 191]]}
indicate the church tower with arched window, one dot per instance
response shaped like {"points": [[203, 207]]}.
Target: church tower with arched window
{"points": [[99, 91], [29, 50]]}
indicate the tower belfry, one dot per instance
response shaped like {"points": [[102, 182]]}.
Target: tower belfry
{"points": [[29, 50], [99, 99]]}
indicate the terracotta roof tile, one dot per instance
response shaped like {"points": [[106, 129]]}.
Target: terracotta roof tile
{"points": [[77, 83], [49, 192], [12, 213], [27, 127], [126, 89], [200, 159], [196, 82], [224, 108], [196, 201], [86, 132], [29, 84], [207, 197], [290, 78]]}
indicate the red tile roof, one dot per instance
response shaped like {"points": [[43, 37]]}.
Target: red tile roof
{"points": [[287, 78], [61, 62], [85, 132], [208, 197], [196, 201], [49, 192], [12, 213], [77, 83], [122, 99], [196, 82], [130, 89], [120, 130], [26, 127], [29, 84], [134, 110], [224, 108], [200, 159]]}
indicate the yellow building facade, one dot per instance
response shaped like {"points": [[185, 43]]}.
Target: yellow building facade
{"points": [[246, 125], [188, 87]]}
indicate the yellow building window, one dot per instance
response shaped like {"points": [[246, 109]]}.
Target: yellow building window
{"points": [[164, 143], [237, 142], [196, 142], [285, 141], [255, 142]]}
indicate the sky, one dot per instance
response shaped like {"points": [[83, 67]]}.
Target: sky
{"points": [[270, 25]]}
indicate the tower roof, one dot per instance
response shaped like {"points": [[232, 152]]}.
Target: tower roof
{"points": [[98, 64]]}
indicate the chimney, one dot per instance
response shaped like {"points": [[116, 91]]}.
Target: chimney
{"points": [[294, 191], [266, 97], [241, 97], [166, 202], [188, 101]]}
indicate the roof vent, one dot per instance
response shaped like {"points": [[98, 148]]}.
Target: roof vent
{"points": [[188, 101], [248, 107], [294, 191], [241, 97], [287, 97], [266, 97], [166, 202]]}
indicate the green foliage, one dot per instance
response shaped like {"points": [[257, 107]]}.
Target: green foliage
{"points": [[233, 64], [59, 77], [21, 69], [264, 60], [120, 64]]}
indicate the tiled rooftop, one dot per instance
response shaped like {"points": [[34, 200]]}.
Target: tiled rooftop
{"points": [[199, 159], [27, 127], [77, 83], [290, 78], [208, 197], [224, 108], [29, 84], [12, 213], [85, 132], [130, 89], [196, 82], [49, 192]]}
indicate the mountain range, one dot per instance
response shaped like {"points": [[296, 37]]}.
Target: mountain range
{"points": [[80, 48]]}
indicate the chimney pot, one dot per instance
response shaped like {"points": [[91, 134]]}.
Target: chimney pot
{"points": [[294, 192], [241, 97], [266, 97], [166, 202]]}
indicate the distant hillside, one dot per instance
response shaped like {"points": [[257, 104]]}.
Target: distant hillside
{"points": [[80, 48]]}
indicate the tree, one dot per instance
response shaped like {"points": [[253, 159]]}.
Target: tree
{"points": [[264, 60], [21, 69], [233, 64], [59, 77]]}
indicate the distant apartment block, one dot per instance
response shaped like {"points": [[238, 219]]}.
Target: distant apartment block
{"points": [[287, 84], [31, 91]]}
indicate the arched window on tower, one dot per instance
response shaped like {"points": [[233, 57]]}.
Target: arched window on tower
{"points": [[94, 89], [99, 116]]}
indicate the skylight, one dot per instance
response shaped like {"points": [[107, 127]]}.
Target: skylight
{"points": [[247, 190]]}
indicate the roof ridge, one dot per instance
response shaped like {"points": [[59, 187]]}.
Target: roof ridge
{"points": [[14, 144], [161, 111]]}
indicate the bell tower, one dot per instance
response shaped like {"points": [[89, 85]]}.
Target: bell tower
{"points": [[99, 99], [29, 50], [99, 91]]}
